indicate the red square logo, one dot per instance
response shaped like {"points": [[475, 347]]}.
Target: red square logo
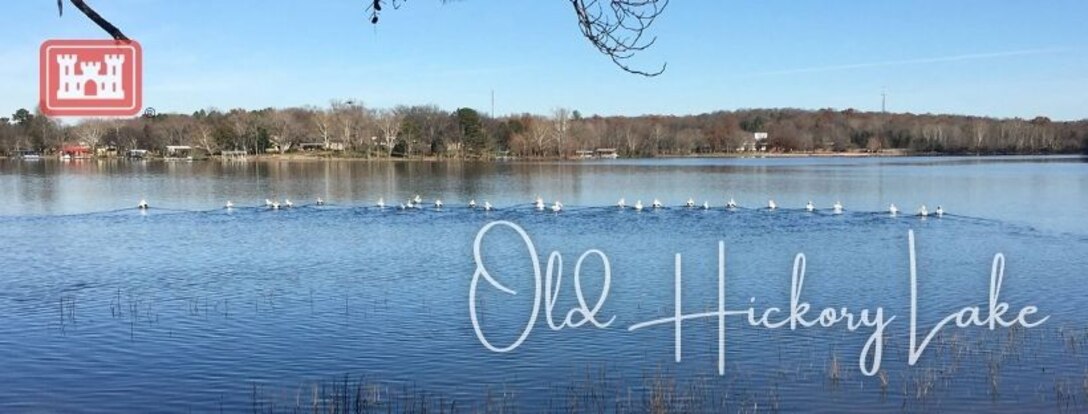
{"points": [[90, 78]]}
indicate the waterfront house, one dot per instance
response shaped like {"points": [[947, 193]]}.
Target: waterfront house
{"points": [[75, 151], [28, 154], [607, 153], [106, 151], [327, 146], [757, 143], [233, 155], [176, 152]]}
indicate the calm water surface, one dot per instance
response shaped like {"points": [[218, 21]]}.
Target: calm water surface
{"points": [[190, 307]]}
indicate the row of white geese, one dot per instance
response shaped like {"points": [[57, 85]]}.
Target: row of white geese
{"points": [[417, 202], [837, 208]]}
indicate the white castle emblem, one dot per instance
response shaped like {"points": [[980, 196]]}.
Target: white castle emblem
{"points": [[91, 83]]}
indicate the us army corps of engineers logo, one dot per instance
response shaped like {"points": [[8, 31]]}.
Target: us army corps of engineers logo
{"points": [[90, 78]]}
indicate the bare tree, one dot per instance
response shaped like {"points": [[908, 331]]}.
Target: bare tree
{"points": [[177, 129], [241, 124], [324, 121], [203, 137], [350, 119], [539, 134], [287, 128], [560, 127], [90, 132], [389, 123]]}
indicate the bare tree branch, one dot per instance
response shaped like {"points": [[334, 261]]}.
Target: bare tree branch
{"points": [[616, 28], [95, 17]]}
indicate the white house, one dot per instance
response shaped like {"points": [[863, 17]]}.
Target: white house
{"points": [[758, 142]]}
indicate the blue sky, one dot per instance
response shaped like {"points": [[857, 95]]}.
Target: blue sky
{"points": [[994, 57]]}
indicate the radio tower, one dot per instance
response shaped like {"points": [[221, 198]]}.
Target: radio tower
{"points": [[883, 101]]}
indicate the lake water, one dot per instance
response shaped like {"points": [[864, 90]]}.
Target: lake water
{"points": [[190, 307]]}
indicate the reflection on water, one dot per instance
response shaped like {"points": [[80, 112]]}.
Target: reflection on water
{"points": [[189, 306]]}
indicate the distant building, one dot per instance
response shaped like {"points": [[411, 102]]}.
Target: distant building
{"points": [[28, 154], [607, 153], [321, 146], [233, 155], [179, 151], [584, 154], [71, 151], [757, 143], [106, 151]]}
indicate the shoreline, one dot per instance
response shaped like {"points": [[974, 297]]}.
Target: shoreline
{"points": [[725, 155]]}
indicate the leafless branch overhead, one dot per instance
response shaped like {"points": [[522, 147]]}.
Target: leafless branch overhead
{"points": [[95, 17], [617, 28]]}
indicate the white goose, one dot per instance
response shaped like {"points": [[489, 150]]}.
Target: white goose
{"points": [[893, 210], [287, 203], [438, 203], [142, 205], [731, 204], [320, 202], [837, 207], [621, 204], [472, 203], [275, 205], [656, 203], [638, 205], [706, 205], [923, 211], [381, 202], [539, 204], [417, 200], [557, 207], [690, 203], [810, 207], [267, 203], [940, 211], [487, 206], [229, 205], [771, 205]]}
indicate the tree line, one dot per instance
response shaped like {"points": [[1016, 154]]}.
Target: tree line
{"points": [[349, 128]]}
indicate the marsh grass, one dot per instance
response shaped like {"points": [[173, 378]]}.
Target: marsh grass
{"points": [[594, 393], [883, 377], [834, 370], [358, 396], [1016, 365], [1065, 396], [1084, 384]]}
